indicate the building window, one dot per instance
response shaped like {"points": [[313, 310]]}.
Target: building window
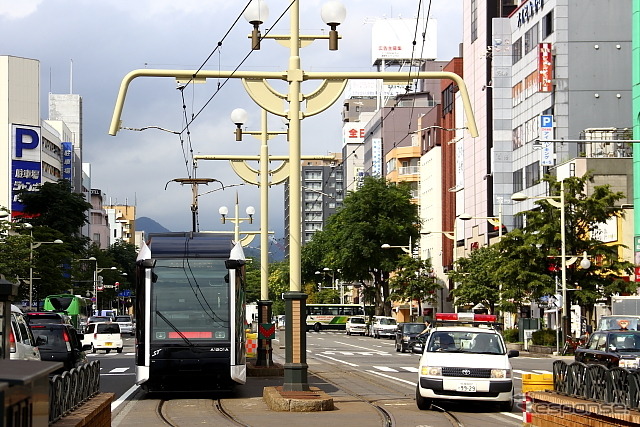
{"points": [[517, 137], [517, 94], [532, 174], [516, 51], [313, 175], [517, 181], [474, 20], [547, 25], [531, 39], [447, 100]]}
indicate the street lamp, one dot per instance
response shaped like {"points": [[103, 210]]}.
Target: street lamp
{"points": [[35, 245], [236, 220], [559, 202], [405, 249]]}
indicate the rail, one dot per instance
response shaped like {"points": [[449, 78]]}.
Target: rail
{"points": [[617, 386], [71, 389]]}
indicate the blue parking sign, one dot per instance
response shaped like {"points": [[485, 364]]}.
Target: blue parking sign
{"points": [[546, 121]]}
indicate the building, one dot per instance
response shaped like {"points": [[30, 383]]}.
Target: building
{"points": [[99, 220], [122, 223]]}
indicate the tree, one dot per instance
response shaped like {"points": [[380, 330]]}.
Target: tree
{"points": [[413, 280], [278, 284], [476, 278], [379, 212]]}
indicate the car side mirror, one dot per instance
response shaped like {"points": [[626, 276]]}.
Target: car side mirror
{"points": [[513, 353], [86, 347], [418, 347], [80, 336], [42, 340]]}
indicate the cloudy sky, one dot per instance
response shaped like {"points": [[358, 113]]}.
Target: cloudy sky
{"points": [[101, 41]]}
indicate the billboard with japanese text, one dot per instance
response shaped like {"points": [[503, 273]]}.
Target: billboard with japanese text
{"points": [[26, 165]]}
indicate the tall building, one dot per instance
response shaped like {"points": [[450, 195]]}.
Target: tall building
{"points": [[99, 220]]}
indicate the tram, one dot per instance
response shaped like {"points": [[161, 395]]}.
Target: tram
{"points": [[190, 313]]}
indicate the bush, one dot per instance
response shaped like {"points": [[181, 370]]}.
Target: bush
{"points": [[544, 337], [511, 335]]}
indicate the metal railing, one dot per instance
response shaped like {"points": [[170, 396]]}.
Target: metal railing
{"points": [[616, 386], [71, 389]]}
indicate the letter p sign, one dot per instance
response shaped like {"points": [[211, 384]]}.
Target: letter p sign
{"points": [[26, 139]]}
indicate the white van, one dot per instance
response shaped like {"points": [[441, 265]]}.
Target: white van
{"points": [[465, 363], [22, 345]]}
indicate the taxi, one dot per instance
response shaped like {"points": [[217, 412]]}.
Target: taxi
{"points": [[465, 358]]}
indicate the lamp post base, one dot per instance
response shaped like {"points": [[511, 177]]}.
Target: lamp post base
{"points": [[295, 367], [265, 350]]}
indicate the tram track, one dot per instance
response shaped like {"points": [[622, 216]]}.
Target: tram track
{"points": [[182, 413], [388, 420]]}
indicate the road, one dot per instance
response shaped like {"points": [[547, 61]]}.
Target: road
{"points": [[365, 367]]}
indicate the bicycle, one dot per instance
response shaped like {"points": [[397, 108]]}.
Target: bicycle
{"points": [[570, 345]]}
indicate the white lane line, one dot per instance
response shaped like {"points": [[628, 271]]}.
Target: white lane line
{"points": [[337, 360], [118, 370], [512, 415], [124, 396], [413, 383], [385, 368], [410, 368]]}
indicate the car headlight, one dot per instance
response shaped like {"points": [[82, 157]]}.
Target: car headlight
{"points": [[434, 371], [405, 339], [501, 373]]}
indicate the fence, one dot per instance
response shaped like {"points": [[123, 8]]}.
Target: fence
{"points": [[616, 386], [71, 389]]}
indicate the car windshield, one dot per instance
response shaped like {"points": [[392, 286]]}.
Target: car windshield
{"points": [[414, 328], [624, 341], [387, 321], [466, 342], [95, 319], [357, 320], [123, 319], [106, 328]]}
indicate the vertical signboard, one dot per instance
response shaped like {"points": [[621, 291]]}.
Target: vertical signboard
{"points": [[546, 135], [67, 161], [376, 157], [636, 256], [545, 67], [26, 166]]}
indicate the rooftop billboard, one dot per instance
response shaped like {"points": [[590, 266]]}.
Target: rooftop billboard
{"points": [[392, 40]]}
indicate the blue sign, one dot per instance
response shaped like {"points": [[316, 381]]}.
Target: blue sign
{"points": [[25, 139], [125, 293], [546, 121], [24, 176], [67, 161]]}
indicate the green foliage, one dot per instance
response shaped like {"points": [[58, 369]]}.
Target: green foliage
{"points": [[379, 212], [278, 284], [413, 280], [544, 337], [476, 278], [511, 335], [252, 274]]}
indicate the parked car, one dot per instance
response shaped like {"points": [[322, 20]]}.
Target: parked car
{"points": [[406, 334], [22, 344], [125, 322], [42, 317], [383, 326], [103, 336], [356, 325], [465, 363], [613, 348], [60, 343]]}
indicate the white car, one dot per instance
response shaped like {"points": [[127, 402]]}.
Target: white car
{"points": [[22, 344], [103, 336], [465, 363], [126, 324], [356, 325], [383, 326]]}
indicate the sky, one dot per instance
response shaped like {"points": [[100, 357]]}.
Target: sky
{"points": [[86, 47]]}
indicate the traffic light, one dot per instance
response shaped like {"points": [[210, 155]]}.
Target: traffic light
{"points": [[99, 284], [116, 285]]}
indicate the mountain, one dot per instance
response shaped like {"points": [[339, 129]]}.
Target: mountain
{"points": [[149, 226]]}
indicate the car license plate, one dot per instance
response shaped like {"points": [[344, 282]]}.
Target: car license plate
{"points": [[108, 344], [466, 387]]}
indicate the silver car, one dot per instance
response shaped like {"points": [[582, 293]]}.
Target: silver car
{"points": [[126, 324]]}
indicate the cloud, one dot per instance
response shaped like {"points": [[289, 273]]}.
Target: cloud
{"points": [[12, 9]]}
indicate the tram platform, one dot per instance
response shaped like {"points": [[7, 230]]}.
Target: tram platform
{"points": [[252, 404]]}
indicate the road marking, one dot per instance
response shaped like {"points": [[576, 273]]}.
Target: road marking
{"points": [[359, 346], [118, 370], [385, 368], [410, 368], [413, 383], [337, 360]]}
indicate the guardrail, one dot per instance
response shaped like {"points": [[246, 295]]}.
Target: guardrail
{"points": [[617, 386], [71, 389]]}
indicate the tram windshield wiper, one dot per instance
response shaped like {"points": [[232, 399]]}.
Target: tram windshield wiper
{"points": [[162, 316]]}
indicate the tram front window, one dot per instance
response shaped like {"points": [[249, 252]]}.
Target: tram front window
{"points": [[190, 301]]}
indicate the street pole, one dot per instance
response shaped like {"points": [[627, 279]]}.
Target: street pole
{"points": [[566, 326]]}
